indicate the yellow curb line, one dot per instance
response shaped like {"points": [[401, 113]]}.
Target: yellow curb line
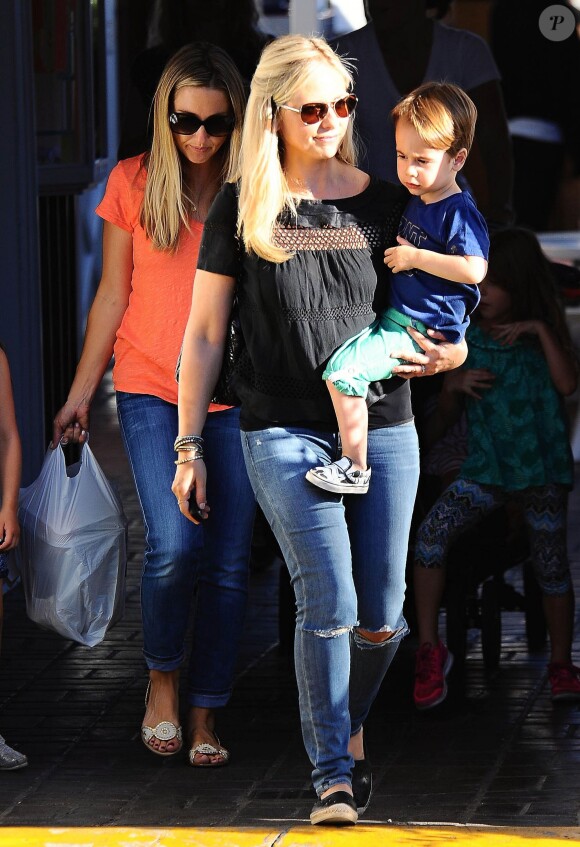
{"points": [[299, 836]]}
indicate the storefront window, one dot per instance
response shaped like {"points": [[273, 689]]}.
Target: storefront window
{"points": [[70, 86]]}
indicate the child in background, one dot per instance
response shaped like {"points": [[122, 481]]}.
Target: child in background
{"points": [[10, 464], [520, 365], [440, 259]]}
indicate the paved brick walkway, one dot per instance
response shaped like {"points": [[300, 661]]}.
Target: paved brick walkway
{"points": [[496, 753]]}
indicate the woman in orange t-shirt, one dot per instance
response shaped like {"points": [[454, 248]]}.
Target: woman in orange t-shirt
{"points": [[154, 209]]}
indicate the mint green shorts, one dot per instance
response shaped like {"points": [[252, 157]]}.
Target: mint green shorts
{"points": [[366, 357]]}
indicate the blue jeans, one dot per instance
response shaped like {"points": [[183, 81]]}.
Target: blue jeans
{"points": [[210, 560], [347, 565]]}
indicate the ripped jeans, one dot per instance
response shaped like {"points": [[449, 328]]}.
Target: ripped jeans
{"points": [[346, 560]]}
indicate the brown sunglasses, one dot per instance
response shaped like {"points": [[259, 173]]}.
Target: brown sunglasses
{"points": [[312, 113]]}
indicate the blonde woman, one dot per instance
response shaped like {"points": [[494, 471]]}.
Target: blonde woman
{"points": [[301, 238], [154, 210]]}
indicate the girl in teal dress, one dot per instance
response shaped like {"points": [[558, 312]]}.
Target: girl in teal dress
{"points": [[520, 366]]}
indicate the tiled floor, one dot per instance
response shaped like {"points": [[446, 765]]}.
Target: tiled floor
{"points": [[497, 752]]}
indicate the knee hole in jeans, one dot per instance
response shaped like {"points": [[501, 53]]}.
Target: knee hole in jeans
{"points": [[332, 633], [365, 637]]}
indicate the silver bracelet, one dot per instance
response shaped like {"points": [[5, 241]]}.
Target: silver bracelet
{"points": [[191, 459], [185, 440]]}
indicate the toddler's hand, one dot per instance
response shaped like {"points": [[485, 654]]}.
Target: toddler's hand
{"points": [[471, 381], [508, 333], [402, 258]]}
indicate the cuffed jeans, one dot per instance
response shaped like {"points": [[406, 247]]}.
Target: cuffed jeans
{"points": [[180, 557], [347, 565]]}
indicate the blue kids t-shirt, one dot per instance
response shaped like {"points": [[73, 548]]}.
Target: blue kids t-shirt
{"points": [[453, 226]]}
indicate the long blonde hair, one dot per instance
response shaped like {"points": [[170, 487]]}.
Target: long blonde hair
{"points": [[166, 204], [264, 192]]}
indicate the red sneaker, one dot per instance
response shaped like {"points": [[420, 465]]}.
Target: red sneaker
{"points": [[432, 664], [564, 681]]}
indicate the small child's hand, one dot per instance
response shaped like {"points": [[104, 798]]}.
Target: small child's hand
{"points": [[470, 381], [9, 529], [401, 258], [508, 333]]}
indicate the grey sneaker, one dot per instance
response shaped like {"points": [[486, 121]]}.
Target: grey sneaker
{"points": [[11, 760], [338, 477]]}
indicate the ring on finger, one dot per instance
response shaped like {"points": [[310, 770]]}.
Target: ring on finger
{"points": [[423, 369]]}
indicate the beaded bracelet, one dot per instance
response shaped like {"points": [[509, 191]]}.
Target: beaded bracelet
{"points": [[192, 459], [185, 440], [191, 446]]}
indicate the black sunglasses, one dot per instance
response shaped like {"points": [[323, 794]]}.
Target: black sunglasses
{"points": [[186, 123], [312, 113]]}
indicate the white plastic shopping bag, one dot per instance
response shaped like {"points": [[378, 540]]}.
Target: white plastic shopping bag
{"points": [[72, 554]]}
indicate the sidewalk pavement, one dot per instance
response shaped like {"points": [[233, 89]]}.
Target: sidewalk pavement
{"points": [[496, 761]]}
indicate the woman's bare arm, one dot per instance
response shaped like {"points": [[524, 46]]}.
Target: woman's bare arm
{"points": [[105, 316], [201, 360]]}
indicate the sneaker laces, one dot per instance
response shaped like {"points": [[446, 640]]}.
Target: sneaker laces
{"points": [[569, 671], [427, 663]]}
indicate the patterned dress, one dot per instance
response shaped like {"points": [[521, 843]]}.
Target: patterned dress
{"points": [[518, 450], [517, 432]]}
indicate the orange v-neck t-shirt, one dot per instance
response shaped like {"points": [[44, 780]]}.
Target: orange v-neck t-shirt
{"points": [[151, 332]]}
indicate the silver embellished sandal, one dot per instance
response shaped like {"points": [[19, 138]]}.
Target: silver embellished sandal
{"points": [[164, 731], [11, 760], [209, 750]]}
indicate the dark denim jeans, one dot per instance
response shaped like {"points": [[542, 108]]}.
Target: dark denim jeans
{"points": [[346, 559], [181, 558]]}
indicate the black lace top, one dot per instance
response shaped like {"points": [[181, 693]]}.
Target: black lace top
{"points": [[295, 314]]}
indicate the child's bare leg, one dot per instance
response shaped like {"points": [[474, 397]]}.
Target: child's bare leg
{"points": [[429, 584], [353, 424], [349, 474], [559, 611]]}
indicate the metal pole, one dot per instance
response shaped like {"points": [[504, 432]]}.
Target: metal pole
{"points": [[303, 17], [348, 15]]}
